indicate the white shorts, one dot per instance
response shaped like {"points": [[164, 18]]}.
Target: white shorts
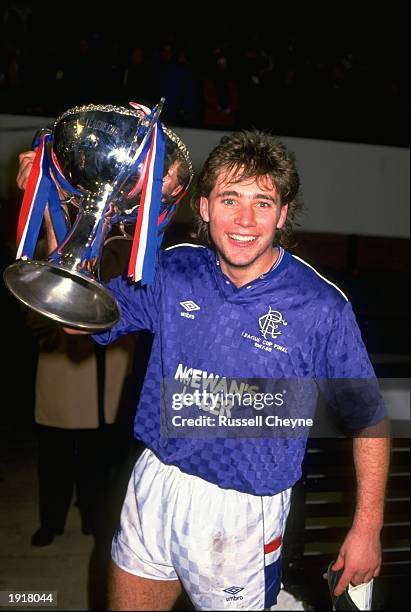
{"points": [[223, 545]]}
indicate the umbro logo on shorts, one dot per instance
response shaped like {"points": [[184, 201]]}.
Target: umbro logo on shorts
{"points": [[232, 591]]}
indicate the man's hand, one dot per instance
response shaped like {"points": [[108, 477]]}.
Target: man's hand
{"points": [[72, 331], [360, 556], [25, 164], [26, 160]]}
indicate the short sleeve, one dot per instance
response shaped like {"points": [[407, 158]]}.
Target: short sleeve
{"points": [[347, 378], [139, 308], [346, 355]]}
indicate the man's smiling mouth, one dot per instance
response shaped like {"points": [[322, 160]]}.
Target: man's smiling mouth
{"points": [[242, 238]]}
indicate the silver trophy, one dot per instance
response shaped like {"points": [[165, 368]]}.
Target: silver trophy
{"points": [[96, 148]]}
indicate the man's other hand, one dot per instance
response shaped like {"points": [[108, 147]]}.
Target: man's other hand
{"points": [[359, 557], [25, 164]]}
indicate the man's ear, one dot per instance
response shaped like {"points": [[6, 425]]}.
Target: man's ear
{"points": [[283, 216], [204, 209]]}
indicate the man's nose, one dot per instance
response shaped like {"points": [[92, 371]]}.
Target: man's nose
{"points": [[246, 216]]}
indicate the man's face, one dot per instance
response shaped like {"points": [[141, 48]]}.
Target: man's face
{"points": [[243, 215]]}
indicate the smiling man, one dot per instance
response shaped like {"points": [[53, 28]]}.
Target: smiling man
{"points": [[209, 511]]}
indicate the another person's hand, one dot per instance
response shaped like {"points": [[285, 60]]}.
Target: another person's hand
{"points": [[25, 164], [360, 558]]}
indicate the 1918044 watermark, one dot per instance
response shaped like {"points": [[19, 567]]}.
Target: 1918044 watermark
{"points": [[27, 599]]}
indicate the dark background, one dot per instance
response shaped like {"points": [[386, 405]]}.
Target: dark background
{"points": [[333, 71], [319, 70]]}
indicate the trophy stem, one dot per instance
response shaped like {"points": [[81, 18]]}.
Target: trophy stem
{"points": [[65, 288], [82, 248]]}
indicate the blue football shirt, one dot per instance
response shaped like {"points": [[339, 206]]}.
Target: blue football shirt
{"points": [[287, 324]]}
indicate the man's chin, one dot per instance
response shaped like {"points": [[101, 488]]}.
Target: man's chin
{"points": [[239, 261]]}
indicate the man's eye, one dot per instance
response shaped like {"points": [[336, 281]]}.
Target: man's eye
{"points": [[264, 204], [228, 202]]}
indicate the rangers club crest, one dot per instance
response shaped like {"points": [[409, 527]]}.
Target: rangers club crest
{"points": [[270, 322]]}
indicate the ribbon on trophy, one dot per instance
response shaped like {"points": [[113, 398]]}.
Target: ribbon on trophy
{"points": [[146, 239], [41, 188]]}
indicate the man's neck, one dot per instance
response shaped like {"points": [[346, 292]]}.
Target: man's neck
{"points": [[242, 275]]}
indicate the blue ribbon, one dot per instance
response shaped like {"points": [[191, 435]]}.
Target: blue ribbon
{"points": [[46, 192], [152, 232], [129, 170]]}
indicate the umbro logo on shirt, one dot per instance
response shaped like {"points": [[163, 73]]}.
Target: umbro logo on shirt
{"points": [[189, 306]]}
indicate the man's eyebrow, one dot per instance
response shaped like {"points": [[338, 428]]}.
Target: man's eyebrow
{"points": [[254, 196]]}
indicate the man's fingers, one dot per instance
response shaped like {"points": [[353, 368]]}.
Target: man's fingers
{"points": [[22, 178], [360, 577], [72, 331], [25, 163], [355, 579], [338, 564], [377, 571], [29, 154], [343, 582], [368, 576]]}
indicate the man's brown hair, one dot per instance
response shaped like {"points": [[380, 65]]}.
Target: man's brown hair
{"points": [[250, 154]]}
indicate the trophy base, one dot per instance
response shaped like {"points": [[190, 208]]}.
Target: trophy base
{"points": [[62, 295]]}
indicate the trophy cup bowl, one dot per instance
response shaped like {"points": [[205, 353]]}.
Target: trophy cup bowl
{"points": [[96, 148]]}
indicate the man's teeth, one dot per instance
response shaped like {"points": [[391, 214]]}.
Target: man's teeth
{"points": [[241, 238]]}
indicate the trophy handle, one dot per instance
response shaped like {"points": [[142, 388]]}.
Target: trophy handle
{"points": [[121, 180], [124, 234], [158, 110], [39, 135]]}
